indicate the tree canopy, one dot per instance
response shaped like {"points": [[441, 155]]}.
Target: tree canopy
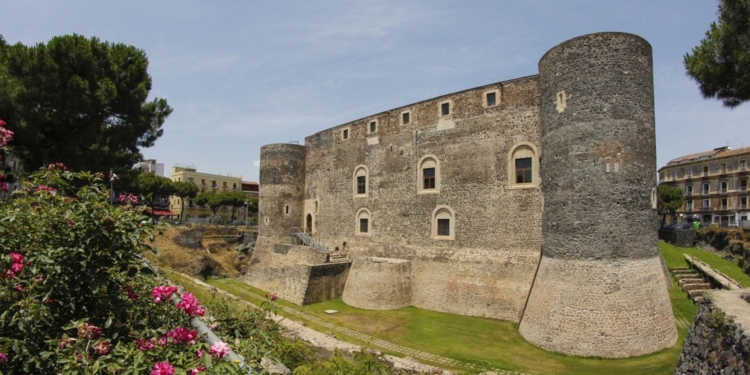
{"points": [[669, 199], [213, 199], [79, 101], [721, 63], [184, 190], [234, 199]]}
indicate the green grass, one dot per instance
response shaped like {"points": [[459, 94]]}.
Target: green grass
{"points": [[494, 343]]}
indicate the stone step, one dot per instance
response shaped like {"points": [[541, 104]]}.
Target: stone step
{"points": [[695, 293], [703, 286], [682, 270], [694, 280], [683, 274], [698, 299]]}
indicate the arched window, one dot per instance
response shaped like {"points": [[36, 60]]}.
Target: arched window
{"points": [[360, 182], [428, 180], [363, 222], [443, 223], [523, 166]]}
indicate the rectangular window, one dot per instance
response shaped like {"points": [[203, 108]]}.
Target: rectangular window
{"points": [[723, 186], [742, 165], [345, 134], [523, 171], [689, 205], [705, 170], [688, 189], [674, 175], [428, 177], [723, 168], [706, 188], [743, 202], [373, 127], [191, 180], [361, 185], [491, 99], [445, 109], [363, 225], [706, 203], [444, 227], [190, 203], [405, 118], [743, 185], [724, 203], [689, 173]]}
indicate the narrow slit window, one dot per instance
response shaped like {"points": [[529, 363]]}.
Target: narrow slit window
{"points": [[428, 178], [345, 134], [405, 118], [361, 184], [523, 171], [373, 127]]}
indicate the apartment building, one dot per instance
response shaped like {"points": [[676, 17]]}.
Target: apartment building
{"points": [[206, 182], [714, 184]]}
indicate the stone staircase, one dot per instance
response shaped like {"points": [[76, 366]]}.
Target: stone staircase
{"points": [[691, 282]]}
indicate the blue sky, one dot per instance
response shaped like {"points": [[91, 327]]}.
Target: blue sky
{"points": [[241, 74]]}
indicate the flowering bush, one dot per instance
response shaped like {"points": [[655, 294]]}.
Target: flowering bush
{"points": [[70, 285]]}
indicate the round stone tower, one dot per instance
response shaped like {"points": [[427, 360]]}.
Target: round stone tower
{"points": [[600, 289], [282, 193]]}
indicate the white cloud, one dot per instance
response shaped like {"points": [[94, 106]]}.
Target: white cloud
{"points": [[256, 163]]}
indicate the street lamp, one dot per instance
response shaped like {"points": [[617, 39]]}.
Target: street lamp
{"points": [[112, 177]]}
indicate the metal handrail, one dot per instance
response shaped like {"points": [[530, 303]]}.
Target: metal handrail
{"points": [[307, 240]]}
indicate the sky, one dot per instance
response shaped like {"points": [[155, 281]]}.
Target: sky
{"points": [[242, 74]]}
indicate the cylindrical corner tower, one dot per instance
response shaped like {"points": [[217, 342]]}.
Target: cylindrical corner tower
{"points": [[282, 193], [600, 288]]}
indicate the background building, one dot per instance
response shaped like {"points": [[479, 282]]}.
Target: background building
{"points": [[150, 165], [206, 182], [714, 184]]}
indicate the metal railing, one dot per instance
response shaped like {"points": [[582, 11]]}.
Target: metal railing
{"points": [[305, 238]]}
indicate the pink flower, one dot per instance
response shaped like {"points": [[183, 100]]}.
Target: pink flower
{"points": [[46, 188], [183, 335], [220, 349], [196, 371], [102, 347], [9, 274], [70, 223], [161, 341], [65, 341], [89, 331], [132, 294], [161, 293], [16, 257], [61, 166], [3, 186], [162, 368], [3, 357], [146, 344], [16, 267], [272, 296], [40, 278], [190, 305], [199, 353], [18, 288]]}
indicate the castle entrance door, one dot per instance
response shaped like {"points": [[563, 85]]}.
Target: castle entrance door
{"points": [[308, 224]]}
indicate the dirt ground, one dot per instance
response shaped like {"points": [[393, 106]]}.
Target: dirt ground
{"points": [[201, 250]]}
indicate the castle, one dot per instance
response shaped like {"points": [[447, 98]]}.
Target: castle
{"points": [[529, 200]]}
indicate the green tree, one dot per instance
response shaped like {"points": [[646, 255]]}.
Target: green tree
{"points": [[79, 101], [234, 199], [152, 188], [212, 199], [669, 199], [721, 63], [184, 190]]}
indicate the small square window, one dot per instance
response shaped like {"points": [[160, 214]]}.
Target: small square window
{"points": [[373, 127], [491, 99], [345, 134], [445, 109], [443, 227], [405, 118], [363, 225]]}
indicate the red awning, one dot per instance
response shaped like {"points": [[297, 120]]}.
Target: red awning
{"points": [[164, 213]]}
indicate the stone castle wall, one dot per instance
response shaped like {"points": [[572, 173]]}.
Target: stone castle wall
{"points": [[586, 124], [472, 147]]}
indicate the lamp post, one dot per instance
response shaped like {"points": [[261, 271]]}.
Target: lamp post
{"points": [[112, 177]]}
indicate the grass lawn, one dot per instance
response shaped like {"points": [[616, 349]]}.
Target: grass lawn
{"points": [[496, 343]]}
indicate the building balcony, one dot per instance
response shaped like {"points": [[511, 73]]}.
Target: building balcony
{"points": [[742, 206], [706, 209]]}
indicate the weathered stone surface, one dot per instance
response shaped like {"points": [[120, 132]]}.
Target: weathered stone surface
{"points": [[378, 284]]}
